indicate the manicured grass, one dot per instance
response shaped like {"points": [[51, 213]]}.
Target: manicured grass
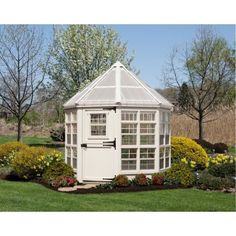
{"points": [[232, 150], [26, 196], [27, 140]]}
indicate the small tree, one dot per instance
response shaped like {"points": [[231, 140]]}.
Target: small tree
{"points": [[80, 53], [204, 76], [20, 70]]}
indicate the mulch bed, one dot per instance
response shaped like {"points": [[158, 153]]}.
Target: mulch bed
{"points": [[127, 189], [131, 188]]}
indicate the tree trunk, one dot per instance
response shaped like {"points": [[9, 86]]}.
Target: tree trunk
{"points": [[19, 129], [200, 127]]}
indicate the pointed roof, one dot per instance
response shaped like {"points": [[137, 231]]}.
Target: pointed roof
{"points": [[118, 87]]}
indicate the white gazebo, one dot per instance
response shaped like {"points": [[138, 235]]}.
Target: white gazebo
{"points": [[117, 125]]}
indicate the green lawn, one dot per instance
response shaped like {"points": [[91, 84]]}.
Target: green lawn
{"points": [[26, 196], [27, 140]]}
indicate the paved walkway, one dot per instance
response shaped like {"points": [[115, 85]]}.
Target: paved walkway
{"points": [[85, 186]]}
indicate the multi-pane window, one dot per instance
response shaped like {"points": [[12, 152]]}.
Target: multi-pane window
{"points": [[68, 154], [129, 136], [74, 157], [98, 124], [147, 134], [129, 115], [164, 157], [71, 138], [147, 157], [74, 130], [128, 158], [147, 116], [164, 128], [68, 134], [162, 154], [167, 157]]}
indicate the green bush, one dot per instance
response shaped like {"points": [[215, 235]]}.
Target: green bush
{"points": [[220, 147], [223, 170], [7, 149], [158, 179], [121, 181], [207, 146], [141, 180], [31, 162], [56, 169], [208, 181], [64, 181], [5, 172], [180, 173], [185, 148]]}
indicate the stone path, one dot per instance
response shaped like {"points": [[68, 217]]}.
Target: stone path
{"points": [[85, 186]]}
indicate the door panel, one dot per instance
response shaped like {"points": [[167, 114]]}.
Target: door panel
{"points": [[98, 151]]}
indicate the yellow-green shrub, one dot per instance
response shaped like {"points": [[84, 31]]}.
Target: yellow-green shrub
{"points": [[185, 148], [32, 161], [180, 173], [222, 159], [7, 149]]}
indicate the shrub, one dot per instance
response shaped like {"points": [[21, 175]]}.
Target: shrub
{"points": [[56, 169], [221, 159], [121, 181], [7, 149], [5, 172], [223, 170], [220, 147], [58, 134], [207, 146], [208, 181], [182, 147], [32, 161], [141, 180], [158, 179], [63, 181], [180, 173]]}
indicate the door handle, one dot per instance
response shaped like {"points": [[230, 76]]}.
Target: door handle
{"points": [[110, 143]]}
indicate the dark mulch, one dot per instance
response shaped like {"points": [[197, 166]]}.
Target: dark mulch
{"points": [[132, 188], [127, 189]]}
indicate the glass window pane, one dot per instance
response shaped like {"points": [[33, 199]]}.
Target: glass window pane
{"points": [[147, 116], [74, 128], [74, 163], [147, 164], [129, 115], [161, 152], [167, 152], [147, 139], [128, 139], [129, 128], [68, 139], [147, 128], [167, 139], [161, 139], [99, 118], [68, 129], [167, 162], [128, 165], [161, 163], [98, 130], [68, 161], [74, 139]]}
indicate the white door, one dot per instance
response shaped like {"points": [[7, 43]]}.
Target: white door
{"points": [[99, 144]]}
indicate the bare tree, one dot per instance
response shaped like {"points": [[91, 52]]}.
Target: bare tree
{"points": [[21, 58], [204, 75]]}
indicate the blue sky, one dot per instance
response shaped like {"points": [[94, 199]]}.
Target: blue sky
{"points": [[153, 44]]}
